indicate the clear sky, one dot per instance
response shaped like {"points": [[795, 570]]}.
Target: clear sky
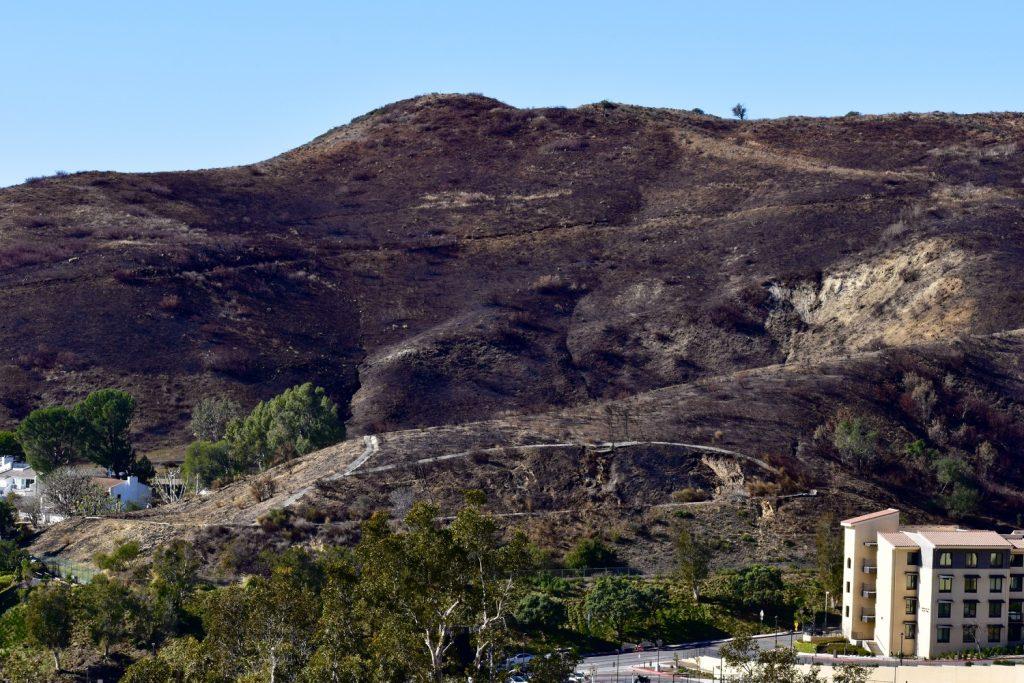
{"points": [[144, 85]]}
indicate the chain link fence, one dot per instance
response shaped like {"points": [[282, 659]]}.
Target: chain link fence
{"points": [[67, 569]]}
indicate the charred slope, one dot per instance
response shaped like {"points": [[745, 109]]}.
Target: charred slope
{"points": [[448, 259], [747, 456]]}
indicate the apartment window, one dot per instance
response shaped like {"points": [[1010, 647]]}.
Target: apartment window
{"points": [[847, 610], [909, 630], [945, 609], [945, 559], [970, 559], [849, 562], [970, 609], [911, 581], [970, 633], [995, 609], [995, 633], [911, 604], [995, 584], [970, 584], [1017, 560], [995, 560], [914, 559], [1017, 583], [1016, 610], [942, 634], [945, 584], [847, 586]]}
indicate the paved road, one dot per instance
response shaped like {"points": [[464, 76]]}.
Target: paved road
{"points": [[603, 667]]}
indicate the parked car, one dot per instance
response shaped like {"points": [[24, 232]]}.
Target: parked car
{"points": [[518, 678]]}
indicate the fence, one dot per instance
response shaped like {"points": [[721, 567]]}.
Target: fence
{"points": [[67, 569]]}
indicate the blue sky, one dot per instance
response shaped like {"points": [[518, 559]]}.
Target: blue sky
{"points": [[138, 86]]}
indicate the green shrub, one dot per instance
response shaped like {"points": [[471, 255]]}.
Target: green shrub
{"points": [[121, 557], [589, 553], [690, 494], [206, 461], [275, 519]]}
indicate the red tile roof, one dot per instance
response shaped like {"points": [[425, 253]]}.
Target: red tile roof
{"points": [[869, 516], [107, 482], [965, 538], [898, 539]]}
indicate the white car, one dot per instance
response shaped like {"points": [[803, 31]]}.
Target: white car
{"points": [[518, 678], [518, 660]]}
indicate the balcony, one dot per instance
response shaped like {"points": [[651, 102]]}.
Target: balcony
{"points": [[867, 591], [870, 544], [867, 617], [868, 568]]}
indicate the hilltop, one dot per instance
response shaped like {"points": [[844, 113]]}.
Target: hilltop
{"points": [[470, 278]]}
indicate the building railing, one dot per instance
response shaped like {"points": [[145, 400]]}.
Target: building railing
{"points": [[865, 617], [867, 591], [868, 568]]}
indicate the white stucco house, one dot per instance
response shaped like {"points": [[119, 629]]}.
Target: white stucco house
{"points": [[16, 477], [126, 493]]}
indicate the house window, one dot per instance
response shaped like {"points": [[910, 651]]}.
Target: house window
{"points": [[995, 633], [945, 559], [995, 609], [970, 633], [942, 634], [970, 584], [945, 609], [995, 560], [911, 581], [995, 584], [1017, 583], [970, 609], [971, 559], [909, 630], [945, 584], [914, 559], [911, 605]]}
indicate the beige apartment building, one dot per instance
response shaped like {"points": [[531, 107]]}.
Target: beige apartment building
{"points": [[925, 590]]}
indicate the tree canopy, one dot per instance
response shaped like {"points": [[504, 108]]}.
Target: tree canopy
{"points": [[9, 444], [51, 437], [105, 418], [300, 420]]}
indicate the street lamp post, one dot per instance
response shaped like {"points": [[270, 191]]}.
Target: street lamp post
{"points": [[825, 615], [776, 631]]}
